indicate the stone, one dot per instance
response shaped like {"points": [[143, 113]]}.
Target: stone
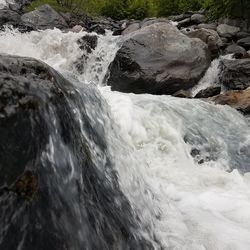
{"points": [[244, 42], [182, 94], [44, 17], [235, 74], [210, 26], [227, 31], [9, 17], [210, 37], [158, 59], [238, 99], [198, 18], [234, 48], [208, 92], [131, 28]]}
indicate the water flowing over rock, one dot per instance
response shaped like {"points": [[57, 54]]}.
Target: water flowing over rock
{"points": [[158, 59], [235, 74], [58, 187], [44, 17]]}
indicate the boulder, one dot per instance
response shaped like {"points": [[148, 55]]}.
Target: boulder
{"points": [[238, 99], [131, 28], [208, 92], [235, 74], [97, 28], [234, 48], [242, 34], [179, 18], [158, 59], [210, 37], [55, 191], [9, 17], [44, 17], [210, 26], [185, 23], [182, 94], [198, 18], [227, 31], [244, 42]]}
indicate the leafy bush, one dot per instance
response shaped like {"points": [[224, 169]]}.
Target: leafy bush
{"points": [[139, 9]]}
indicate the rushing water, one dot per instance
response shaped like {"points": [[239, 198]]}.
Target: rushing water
{"points": [[183, 164]]}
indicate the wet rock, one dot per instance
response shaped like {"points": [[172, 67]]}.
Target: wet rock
{"points": [[208, 92], [235, 74], [158, 59], [227, 31], [234, 48], [238, 99], [55, 193], [78, 28], [9, 17], [44, 17]]}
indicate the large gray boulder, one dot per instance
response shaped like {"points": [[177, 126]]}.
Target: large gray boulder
{"points": [[44, 17], [158, 59], [235, 74], [55, 192]]}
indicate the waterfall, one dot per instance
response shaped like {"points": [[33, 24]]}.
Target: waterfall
{"points": [[182, 164]]}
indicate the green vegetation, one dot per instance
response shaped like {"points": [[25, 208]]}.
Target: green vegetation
{"points": [[138, 9]]}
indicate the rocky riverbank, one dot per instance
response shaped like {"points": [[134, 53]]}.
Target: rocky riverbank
{"points": [[159, 55]]}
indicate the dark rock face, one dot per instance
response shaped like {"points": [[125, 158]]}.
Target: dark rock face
{"points": [[245, 42], [158, 59], [9, 17], [44, 17], [208, 92], [55, 191], [235, 74]]}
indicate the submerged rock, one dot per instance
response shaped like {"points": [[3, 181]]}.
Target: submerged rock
{"points": [[58, 187], [44, 17], [158, 59], [235, 74]]}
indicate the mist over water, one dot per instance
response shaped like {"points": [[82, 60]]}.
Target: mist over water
{"points": [[183, 164]]}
